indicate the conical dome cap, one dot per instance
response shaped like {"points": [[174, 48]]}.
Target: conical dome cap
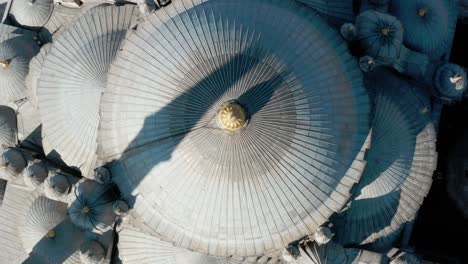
{"points": [[40, 221], [72, 80], [429, 24], [400, 165], [35, 174], [32, 13], [8, 127], [15, 54], [133, 242], [229, 119], [92, 207]]}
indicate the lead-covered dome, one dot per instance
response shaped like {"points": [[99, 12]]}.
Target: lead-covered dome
{"points": [[31, 13], [72, 79], [400, 166], [240, 124], [8, 127], [450, 80]]}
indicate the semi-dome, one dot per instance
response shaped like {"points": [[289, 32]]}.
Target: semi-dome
{"points": [[12, 163], [380, 35], [35, 174], [429, 24], [136, 246], [72, 80], [15, 53], [35, 68], [8, 127], [92, 206], [400, 165], [235, 130], [450, 80], [58, 186], [31, 13], [40, 221], [335, 11], [92, 252]]}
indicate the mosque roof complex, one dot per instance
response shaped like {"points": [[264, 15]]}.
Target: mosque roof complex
{"points": [[219, 131]]}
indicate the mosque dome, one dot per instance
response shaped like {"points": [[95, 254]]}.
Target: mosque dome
{"points": [[41, 219], [12, 163], [132, 242], [72, 80], [15, 53], [400, 166], [8, 127], [92, 252], [450, 80], [92, 206], [242, 131], [31, 13], [35, 174], [57, 186], [429, 24], [380, 35]]}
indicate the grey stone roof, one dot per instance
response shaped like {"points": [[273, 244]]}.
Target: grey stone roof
{"points": [[257, 189], [400, 165], [31, 13], [72, 80]]}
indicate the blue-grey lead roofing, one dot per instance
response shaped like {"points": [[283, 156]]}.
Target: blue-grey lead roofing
{"points": [[256, 189]]}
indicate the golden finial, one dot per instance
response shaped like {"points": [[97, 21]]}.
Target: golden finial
{"points": [[232, 116], [385, 31], [86, 210], [4, 64], [50, 234], [422, 12]]}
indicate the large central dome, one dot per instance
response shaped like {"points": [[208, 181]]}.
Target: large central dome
{"points": [[238, 125]]}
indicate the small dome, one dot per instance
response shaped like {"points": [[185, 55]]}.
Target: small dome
{"points": [[367, 63], [92, 252], [15, 54], [283, 162], [12, 163], [35, 174], [133, 242], [429, 24], [450, 80], [41, 221], [380, 35], [8, 127], [92, 206], [400, 164], [335, 11], [35, 67], [58, 186], [348, 31], [72, 80], [102, 175], [120, 208], [31, 13]]}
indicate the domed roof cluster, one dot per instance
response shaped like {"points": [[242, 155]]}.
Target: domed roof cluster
{"points": [[218, 131]]}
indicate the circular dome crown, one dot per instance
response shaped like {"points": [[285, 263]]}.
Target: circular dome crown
{"points": [[92, 207], [8, 127], [429, 24], [12, 163], [35, 174], [275, 178], [92, 252], [72, 79], [41, 221], [450, 80], [57, 187], [15, 54], [400, 165], [32, 13], [381, 35]]}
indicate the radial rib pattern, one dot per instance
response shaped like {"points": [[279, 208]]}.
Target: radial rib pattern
{"points": [[400, 164], [8, 127], [256, 189], [72, 80], [32, 13], [336, 10]]}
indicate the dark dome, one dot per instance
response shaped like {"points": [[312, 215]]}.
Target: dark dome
{"points": [[450, 80], [12, 163], [241, 128], [72, 79], [380, 35], [35, 174], [58, 186], [92, 207], [429, 24], [400, 165]]}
